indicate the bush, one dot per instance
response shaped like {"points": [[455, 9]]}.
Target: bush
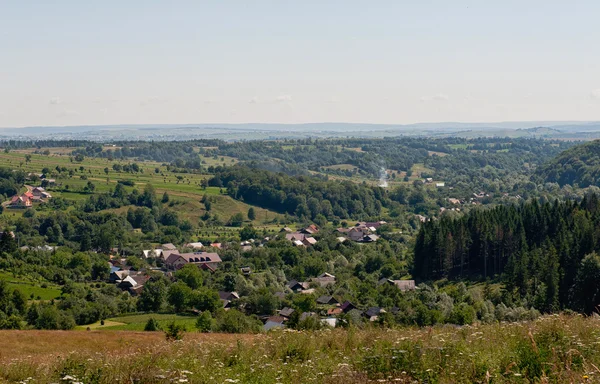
{"points": [[152, 325], [174, 331]]}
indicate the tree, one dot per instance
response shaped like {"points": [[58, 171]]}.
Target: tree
{"points": [[8, 243], [248, 232], [90, 186], [205, 322], [204, 299], [153, 295], [586, 290], [251, 214], [165, 198], [190, 275], [234, 321], [179, 296], [236, 220]]}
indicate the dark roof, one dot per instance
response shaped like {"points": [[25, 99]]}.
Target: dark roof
{"points": [[374, 311], [326, 300], [286, 312], [347, 306]]}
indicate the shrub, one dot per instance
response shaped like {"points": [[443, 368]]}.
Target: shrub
{"points": [[174, 331], [152, 325]]}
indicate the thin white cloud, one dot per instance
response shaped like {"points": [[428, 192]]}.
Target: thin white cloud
{"points": [[333, 100], [595, 94], [68, 113], [55, 101], [253, 100], [283, 98], [438, 97], [153, 100]]}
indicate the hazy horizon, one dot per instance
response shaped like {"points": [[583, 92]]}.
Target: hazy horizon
{"points": [[111, 63]]}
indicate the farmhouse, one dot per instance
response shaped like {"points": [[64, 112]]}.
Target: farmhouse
{"points": [[23, 201], [203, 260]]}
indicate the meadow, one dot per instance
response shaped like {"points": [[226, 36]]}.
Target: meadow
{"points": [[552, 349]]}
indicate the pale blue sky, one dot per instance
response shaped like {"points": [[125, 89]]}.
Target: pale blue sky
{"points": [[113, 62]]}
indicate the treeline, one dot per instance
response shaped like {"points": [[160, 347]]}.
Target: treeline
{"points": [[544, 252], [305, 197], [182, 152]]}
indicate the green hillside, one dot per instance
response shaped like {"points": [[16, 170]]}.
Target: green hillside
{"points": [[578, 165]]}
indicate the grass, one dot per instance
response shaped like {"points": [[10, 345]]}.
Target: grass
{"points": [[552, 349], [30, 287], [138, 322]]}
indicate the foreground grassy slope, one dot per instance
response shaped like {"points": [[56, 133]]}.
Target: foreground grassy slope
{"points": [[555, 349]]}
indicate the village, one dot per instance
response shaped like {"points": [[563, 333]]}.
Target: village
{"points": [[328, 310]]}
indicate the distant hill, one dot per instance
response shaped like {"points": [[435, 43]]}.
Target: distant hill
{"points": [[577, 165], [256, 131]]}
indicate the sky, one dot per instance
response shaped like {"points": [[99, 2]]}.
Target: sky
{"points": [[276, 61]]}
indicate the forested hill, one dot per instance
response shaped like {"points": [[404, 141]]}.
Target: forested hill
{"points": [[305, 197], [545, 252], [578, 165]]}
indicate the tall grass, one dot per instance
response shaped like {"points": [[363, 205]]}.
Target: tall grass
{"points": [[555, 349]]}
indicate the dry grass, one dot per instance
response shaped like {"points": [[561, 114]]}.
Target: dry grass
{"points": [[553, 349]]}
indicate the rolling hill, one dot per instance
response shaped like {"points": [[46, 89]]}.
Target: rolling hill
{"points": [[577, 165]]}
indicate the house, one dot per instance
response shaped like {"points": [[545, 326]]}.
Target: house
{"points": [[370, 238], [224, 295], [454, 201], [373, 313], [421, 218], [22, 201], [246, 271], [164, 254], [205, 260], [309, 241], [298, 243], [357, 233], [274, 322], [347, 307], [197, 245], [327, 300], [341, 239], [9, 232], [403, 285], [297, 286], [169, 247], [286, 312], [126, 283], [287, 229], [324, 279], [217, 245], [310, 230], [440, 185], [330, 322], [118, 275], [334, 311], [40, 193], [151, 253], [296, 236]]}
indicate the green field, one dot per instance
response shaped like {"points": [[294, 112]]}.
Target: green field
{"points": [[138, 322], [29, 287]]}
